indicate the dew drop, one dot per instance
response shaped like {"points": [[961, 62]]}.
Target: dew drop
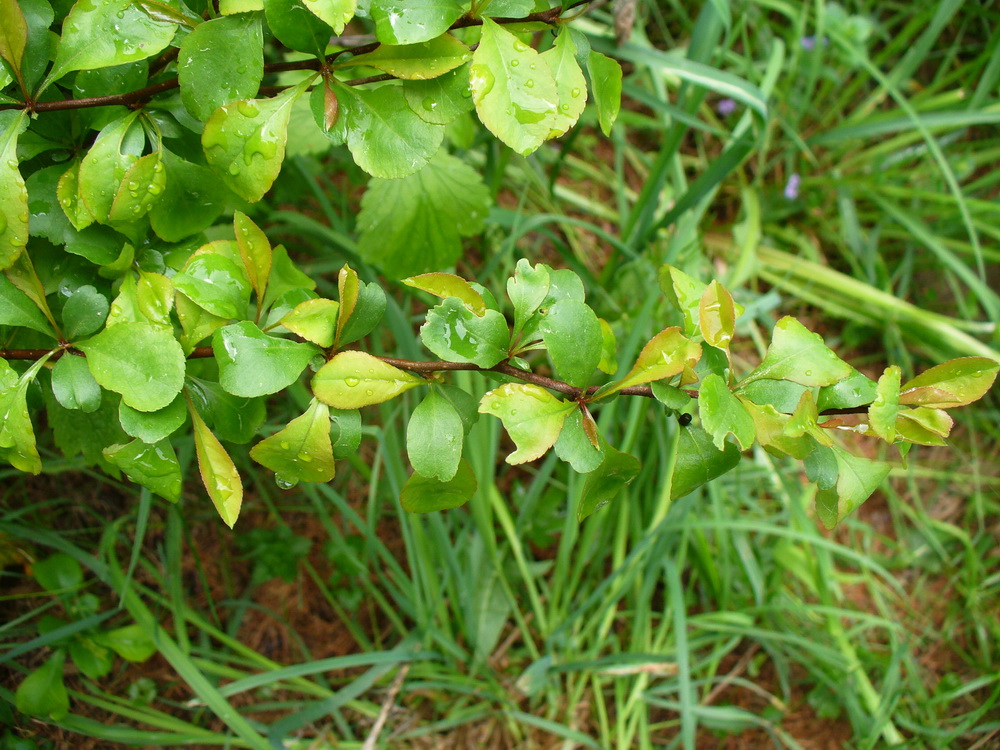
{"points": [[352, 382]]}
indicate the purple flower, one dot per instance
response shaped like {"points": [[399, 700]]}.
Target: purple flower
{"points": [[808, 42], [725, 107], [792, 186]]}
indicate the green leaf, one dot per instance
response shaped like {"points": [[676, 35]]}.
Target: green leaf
{"points": [[154, 294], [615, 473], [456, 334], [42, 693], [955, 383], [924, 426], [345, 432], [883, 410], [441, 100], [799, 355], [574, 445], [528, 288], [416, 62], [255, 249], [606, 83], [314, 320], [663, 356], [153, 466], [671, 397], [301, 451], [722, 413], [196, 322], [13, 34], [571, 86], [434, 437], [334, 13], [58, 573], [192, 200], [221, 61], [563, 284], [216, 284], [229, 7], [821, 467], [413, 21], [70, 199], [514, 91], [416, 223], [152, 427], [233, 419], [218, 473], [17, 309], [367, 313], [462, 402], [22, 275], [573, 337], [532, 416], [348, 289], [101, 33], [141, 187], [142, 362], [13, 194], [90, 657], [245, 141], [609, 349], [424, 495], [251, 363], [446, 285], [78, 433], [699, 461], [285, 277], [853, 391], [769, 427], [131, 642], [85, 311], [296, 27], [684, 293], [717, 315], [857, 479], [386, 138], [73, 385], [103, 169], [354, 379]]}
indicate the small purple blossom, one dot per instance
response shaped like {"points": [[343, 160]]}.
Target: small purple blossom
{"points": [[808, 43], [725, 107], [792, 186]]}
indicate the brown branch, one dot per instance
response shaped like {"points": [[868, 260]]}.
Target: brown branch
{"points": [[148, 92]]}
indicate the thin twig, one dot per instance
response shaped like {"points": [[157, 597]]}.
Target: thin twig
{"points": [[383, 714]]}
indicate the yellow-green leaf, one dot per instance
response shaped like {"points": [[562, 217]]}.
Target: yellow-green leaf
{"points": [[883, 410], [955, 383], [717, 315], [532, 416], [663, 356], [301, 451], [218, 472], [354, 379], [255, 251], [446, 285]]}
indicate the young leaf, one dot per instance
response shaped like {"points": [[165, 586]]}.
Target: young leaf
{"points": [[141, 187], [528, 288], [301, 451], [354, 379], [334, 13], [722, 413], [446, 285], [857, 479], [70, 200], [573, 337], [514, 90], [13, 194], [609, 349], [386, 138], [413, 21], [142, 362], [424, 495], [152, 427], [955, 383], [103, 169], [218, 472], [532, 416], [455, 333], [883, 410], [367, 313], [799, 355], [245, 141], [699, 461], [220, 61], [345, 432], [43, 693], [717, 315], [251, 363], [571, 86], [574, 445], [154, 296], [615, 473], [130, 642], [155, 466], [255, 251], [416, 223], [770, 426], [924, 426], [296, 27], [416, 62], [314, 320], [216, 284], [101, 33], [434, 438], [665, 355], [17, 437], [13, 35], [606, 82], [85, 311], [441, 100], [232, 418], [73, 385], [853, 391], [17, 309]]}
